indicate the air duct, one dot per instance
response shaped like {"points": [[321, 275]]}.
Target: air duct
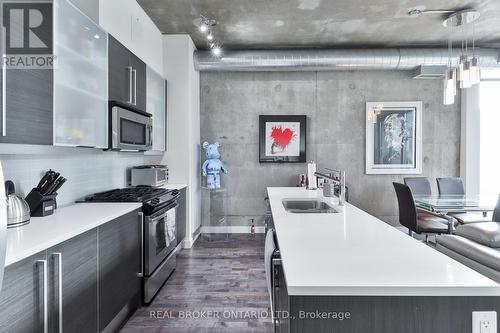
{"points": [[336, 60]]}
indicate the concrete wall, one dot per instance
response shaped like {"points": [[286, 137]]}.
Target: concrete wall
{"points": [[335, 105]]}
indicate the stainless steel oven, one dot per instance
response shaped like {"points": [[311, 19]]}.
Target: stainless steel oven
{"points": [[130, 128], [159, 248]]}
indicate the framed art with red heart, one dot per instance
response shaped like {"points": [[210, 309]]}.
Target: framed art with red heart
{"points": [[282, 139]]}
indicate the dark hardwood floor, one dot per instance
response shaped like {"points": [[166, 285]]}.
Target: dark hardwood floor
{"points": [[222, 275]]}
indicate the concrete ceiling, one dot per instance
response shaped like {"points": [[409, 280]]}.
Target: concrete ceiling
{"points": [[252, 24]]}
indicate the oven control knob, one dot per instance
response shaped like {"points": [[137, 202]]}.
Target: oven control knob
{"points": [[155, 201]]}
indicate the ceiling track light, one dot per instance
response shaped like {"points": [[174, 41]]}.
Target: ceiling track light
{"points": [[205, 26]]}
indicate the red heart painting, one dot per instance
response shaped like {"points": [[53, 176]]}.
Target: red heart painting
{"points": [[282, 137]]}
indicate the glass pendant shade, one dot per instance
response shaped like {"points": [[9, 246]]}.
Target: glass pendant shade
{"points": [[465, 81], [449, 87], [475, 71]]}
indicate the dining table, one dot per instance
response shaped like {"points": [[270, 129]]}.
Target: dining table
{"points": [[443, 205]]}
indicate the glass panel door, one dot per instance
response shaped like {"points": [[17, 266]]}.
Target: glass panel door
{"points": [[80, 79]]}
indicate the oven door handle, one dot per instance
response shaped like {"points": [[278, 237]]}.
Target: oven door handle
{"points": [[163, 213]]}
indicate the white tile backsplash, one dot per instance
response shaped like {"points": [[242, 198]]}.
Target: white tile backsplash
{"points": [[86, 173]]}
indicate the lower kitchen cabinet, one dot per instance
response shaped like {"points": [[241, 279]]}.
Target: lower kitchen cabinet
{"points": [[119, 265], [76, 261], [282, 302], [181, 216], [22, 296], [91, 279]]}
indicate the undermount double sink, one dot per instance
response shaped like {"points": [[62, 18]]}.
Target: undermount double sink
{"points": [[307, 206]]}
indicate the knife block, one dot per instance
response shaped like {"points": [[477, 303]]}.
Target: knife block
{"points": [[41, 205]]}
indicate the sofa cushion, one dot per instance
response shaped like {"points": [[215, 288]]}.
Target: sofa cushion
{"points": [[484, 255], [486, 233]]}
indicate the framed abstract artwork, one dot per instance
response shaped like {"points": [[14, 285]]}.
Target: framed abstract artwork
{"points": [[394, 138], [282, 139]]}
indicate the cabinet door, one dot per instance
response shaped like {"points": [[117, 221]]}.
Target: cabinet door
{"points": [[27, 95], [156, 106], [139, 83], [120, 72], [76, 261], [80, 79], [181, 217], [22, 296], [119, 261]]}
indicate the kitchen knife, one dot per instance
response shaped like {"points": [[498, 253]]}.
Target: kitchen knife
{"points": [[53, 177], [57, 185], [44, 179]]}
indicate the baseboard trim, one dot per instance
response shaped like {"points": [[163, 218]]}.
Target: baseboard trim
{"points": [[231, 230], [188, 243]]}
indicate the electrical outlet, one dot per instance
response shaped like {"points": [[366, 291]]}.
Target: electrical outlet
{"points": [[484, 322]]}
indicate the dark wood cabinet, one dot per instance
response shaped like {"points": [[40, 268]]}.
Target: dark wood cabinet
{"points": [[181, 216], [28, 106], [139, 68], [127, 75], [119, 265], [76, 260], [22, 296]]}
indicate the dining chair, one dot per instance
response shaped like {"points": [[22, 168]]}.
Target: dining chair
{"points": [[419, 185], [408, 217], [450, 186], [455, 186]]}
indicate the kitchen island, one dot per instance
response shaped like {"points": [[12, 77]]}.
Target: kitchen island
{"points": [[351, 272]]}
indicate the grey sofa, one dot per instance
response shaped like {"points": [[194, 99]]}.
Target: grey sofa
{"points": [[475, 245]]}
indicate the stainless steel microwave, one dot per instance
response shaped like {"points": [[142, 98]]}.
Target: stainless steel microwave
{"points": [[130, 128]]}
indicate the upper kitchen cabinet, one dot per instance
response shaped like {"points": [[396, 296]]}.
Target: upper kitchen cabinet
{"points": [[80, 79], [26, 108], [156, 106], [127, 76]]}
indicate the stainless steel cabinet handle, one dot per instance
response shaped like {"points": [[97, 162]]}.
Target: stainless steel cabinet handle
{"points": [[141, 235], [130, 92], [59, 288], [134, 71], [4, 100], [45, 297]]}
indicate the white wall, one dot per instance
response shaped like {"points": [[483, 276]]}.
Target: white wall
{"points": [[183, 121], [127, 22]]}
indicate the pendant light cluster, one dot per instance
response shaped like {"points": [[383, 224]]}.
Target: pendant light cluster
{"points": [[206, 26], [468, 72]]}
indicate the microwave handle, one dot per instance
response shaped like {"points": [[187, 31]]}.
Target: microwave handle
{"points": [[130, 92], [150, 135]]}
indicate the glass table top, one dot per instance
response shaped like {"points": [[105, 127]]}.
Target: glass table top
{"points": [[457, 203]]}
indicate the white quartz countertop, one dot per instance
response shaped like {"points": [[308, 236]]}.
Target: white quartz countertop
{"points": [[66, 222], [354, 253]]}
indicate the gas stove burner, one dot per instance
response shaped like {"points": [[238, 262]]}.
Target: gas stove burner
{"points": [[132, 194]]}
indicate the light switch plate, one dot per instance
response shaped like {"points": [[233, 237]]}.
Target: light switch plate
{"points": [[484, 322]]}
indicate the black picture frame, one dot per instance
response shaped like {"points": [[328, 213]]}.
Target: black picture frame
{"points": [[264, 119]]}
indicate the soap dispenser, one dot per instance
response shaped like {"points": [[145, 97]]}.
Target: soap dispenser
{"points": [[312, 183]]}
